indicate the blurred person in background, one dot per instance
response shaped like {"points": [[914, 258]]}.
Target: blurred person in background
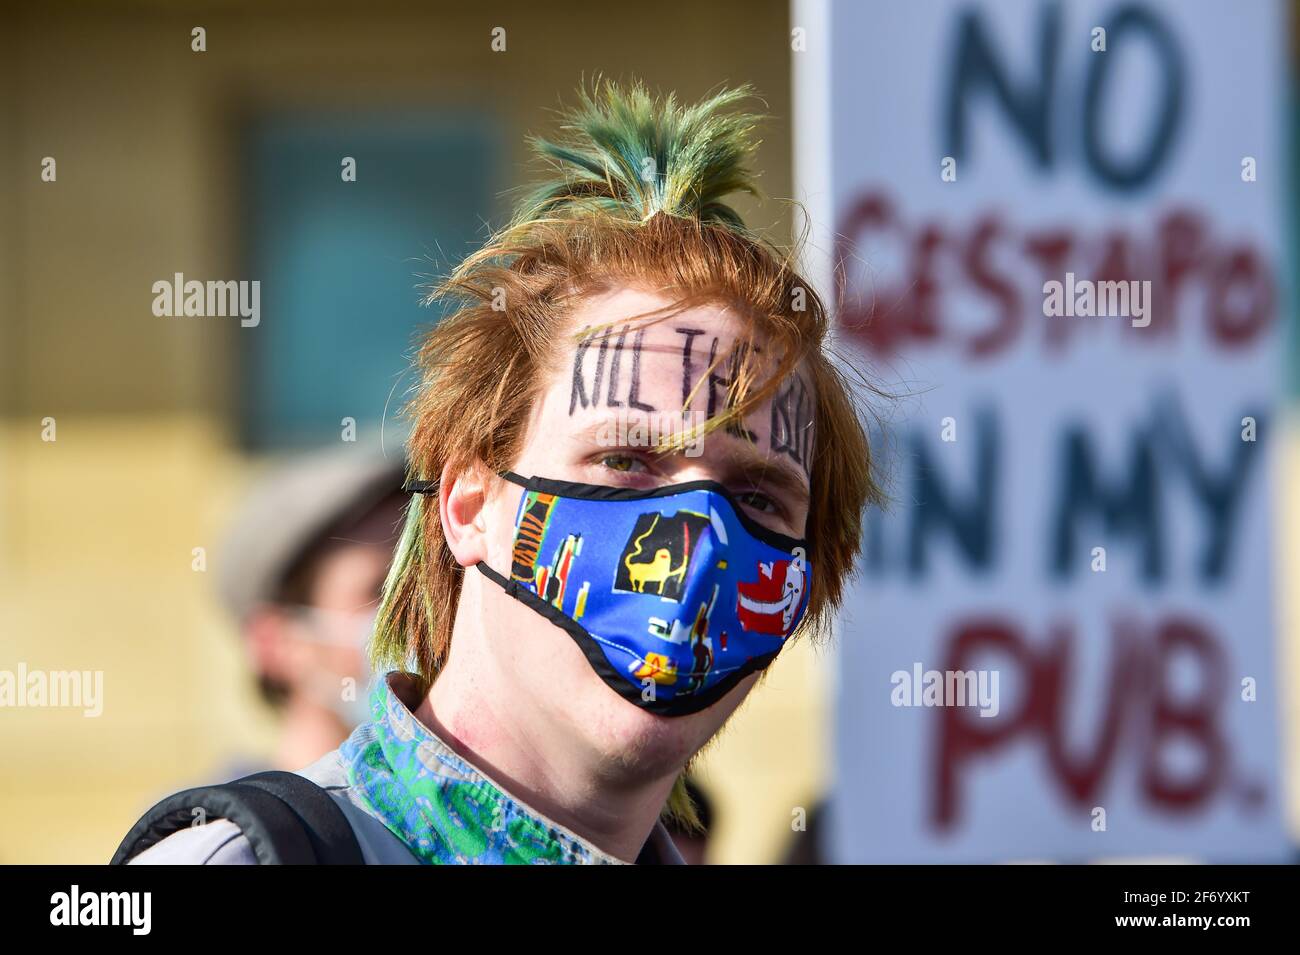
{"points": [[301, 573], [805, 845]]}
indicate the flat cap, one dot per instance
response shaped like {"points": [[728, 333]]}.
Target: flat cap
{"points": [[290, 509]]}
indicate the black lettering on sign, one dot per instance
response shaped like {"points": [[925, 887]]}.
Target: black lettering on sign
{"points": [[1031, 94]]}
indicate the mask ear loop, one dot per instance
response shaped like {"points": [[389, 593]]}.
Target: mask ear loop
{"points": [[431, 487]]}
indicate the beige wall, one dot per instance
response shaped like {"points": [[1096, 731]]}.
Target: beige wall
{"points": [[97, 528], [145, 133]]}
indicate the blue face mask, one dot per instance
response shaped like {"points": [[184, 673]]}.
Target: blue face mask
{"points": [[674, 594]]}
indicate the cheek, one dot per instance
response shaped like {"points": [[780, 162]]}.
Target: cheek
{"points": [[546, 665], [500, 526]]}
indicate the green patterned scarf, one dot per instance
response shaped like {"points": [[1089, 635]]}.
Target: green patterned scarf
{"points": [[441, 807]]}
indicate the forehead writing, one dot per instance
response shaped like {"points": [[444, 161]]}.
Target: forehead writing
{"points": [[609, 365], [792, 422], [716, 382], [607, 372]]}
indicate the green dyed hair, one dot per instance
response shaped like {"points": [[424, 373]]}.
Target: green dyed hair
{"points": [[629, 156]]}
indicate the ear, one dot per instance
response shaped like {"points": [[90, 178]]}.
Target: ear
{"points": [[462, 499]]}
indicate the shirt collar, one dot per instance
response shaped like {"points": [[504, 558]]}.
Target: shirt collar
{"points": [[448, 811]]}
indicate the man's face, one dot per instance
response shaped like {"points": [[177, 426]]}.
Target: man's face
{"points": [[344, 595], [575, 435], [314, 646]]}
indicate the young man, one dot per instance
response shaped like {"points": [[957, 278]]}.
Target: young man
{"points": [[637, 475]]}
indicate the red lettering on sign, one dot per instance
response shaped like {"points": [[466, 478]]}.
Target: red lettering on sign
{"points": [[1140, 711]]}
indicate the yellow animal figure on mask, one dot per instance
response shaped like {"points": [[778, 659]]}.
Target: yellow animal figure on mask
{"points": [[658, 570]]}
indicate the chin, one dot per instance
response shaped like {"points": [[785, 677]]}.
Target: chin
{"points": [[635, 737], [622, 733]]}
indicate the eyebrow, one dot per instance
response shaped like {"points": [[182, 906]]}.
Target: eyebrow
{"points": [[742, 459], [773, 470]]}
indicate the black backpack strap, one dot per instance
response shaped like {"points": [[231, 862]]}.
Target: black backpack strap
{"points": [[327, 828], [288, 820]]}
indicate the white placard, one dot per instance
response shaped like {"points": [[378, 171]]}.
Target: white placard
{"points": [[1082, 473]]}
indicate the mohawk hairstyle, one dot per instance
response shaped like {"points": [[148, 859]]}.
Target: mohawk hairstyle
{"points": [[630, 157]]}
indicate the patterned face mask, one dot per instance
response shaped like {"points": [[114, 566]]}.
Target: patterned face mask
{"points": [[674, 594]]}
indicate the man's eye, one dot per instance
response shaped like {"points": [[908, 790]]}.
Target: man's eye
{"points": [[624, 463], [759, 502]]}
